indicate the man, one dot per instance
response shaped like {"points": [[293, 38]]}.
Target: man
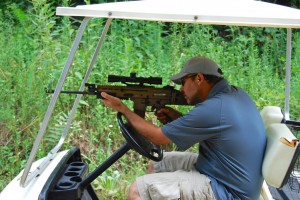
{"points": [[226, 124]]}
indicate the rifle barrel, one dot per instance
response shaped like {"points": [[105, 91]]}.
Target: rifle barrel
{"points": [[73, 92]]}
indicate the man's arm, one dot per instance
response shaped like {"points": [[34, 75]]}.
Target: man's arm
{"points": [[153, 133], [167, 114]]}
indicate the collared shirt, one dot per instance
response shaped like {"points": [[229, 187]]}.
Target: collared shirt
{"points": [[231, 137]]}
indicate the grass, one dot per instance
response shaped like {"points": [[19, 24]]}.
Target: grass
{"points": [[35, 52]]}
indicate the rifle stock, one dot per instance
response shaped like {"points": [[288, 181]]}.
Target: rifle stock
{"points": [[143, 96]]}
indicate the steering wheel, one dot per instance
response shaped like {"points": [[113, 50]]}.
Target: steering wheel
{"points": [[138, 142]]}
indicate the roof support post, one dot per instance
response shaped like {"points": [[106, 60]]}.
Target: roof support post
{"points": [[288, 73]]}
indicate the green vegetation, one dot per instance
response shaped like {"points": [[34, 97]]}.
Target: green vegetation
{"points": [[34, 46]]}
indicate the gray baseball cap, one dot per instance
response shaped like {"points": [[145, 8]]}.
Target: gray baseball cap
{"points": [[195, 65]]}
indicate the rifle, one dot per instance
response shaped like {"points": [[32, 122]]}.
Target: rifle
{"points": [[135, 90]]}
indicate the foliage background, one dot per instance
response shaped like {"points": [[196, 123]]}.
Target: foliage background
{"points": [[35, 44]]}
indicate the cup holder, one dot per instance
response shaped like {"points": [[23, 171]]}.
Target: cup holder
{"points": [[74, 169], [76, 179], [65, 184], [77, 164], [72, 176]]}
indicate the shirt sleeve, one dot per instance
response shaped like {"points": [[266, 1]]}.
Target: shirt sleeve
{"points": [[199, 124]]}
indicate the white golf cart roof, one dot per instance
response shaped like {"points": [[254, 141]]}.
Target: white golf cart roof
{"points": [[216, 12], [220, 12]]}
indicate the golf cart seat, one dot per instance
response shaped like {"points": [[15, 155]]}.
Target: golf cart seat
{"points": [[281, 151]]}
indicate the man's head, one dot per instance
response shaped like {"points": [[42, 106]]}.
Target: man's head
{"points": [[197, 77]]}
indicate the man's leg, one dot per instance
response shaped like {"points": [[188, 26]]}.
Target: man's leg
{"points": [[175, 161], [133, 192], [172, 161], [187, 185]]}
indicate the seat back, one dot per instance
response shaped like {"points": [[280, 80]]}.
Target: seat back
{"points": [[281, 153]]}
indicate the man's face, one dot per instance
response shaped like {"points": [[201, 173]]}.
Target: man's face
{"points": [[190, 89]]}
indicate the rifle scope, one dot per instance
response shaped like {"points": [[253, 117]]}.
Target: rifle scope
{"points": [[133, 79]]}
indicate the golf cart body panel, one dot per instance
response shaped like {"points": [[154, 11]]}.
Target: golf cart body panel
{"points": [[216, 12], [33, 189]]}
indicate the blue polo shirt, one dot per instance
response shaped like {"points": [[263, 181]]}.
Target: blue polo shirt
{"points": [[231, 137]]}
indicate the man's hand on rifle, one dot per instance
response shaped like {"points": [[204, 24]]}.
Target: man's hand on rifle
{"points": [[167, 114], [113, 102]]}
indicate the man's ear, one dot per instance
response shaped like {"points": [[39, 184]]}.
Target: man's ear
{"points": [[200, 77]]}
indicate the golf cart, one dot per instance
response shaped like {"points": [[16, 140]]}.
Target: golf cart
{"points": [[64, 174]]}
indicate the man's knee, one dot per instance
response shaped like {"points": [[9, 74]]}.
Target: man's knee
{"points": [[133, 192]]}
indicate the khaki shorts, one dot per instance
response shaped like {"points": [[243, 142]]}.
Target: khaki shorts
{"points": [[176, 178]]}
